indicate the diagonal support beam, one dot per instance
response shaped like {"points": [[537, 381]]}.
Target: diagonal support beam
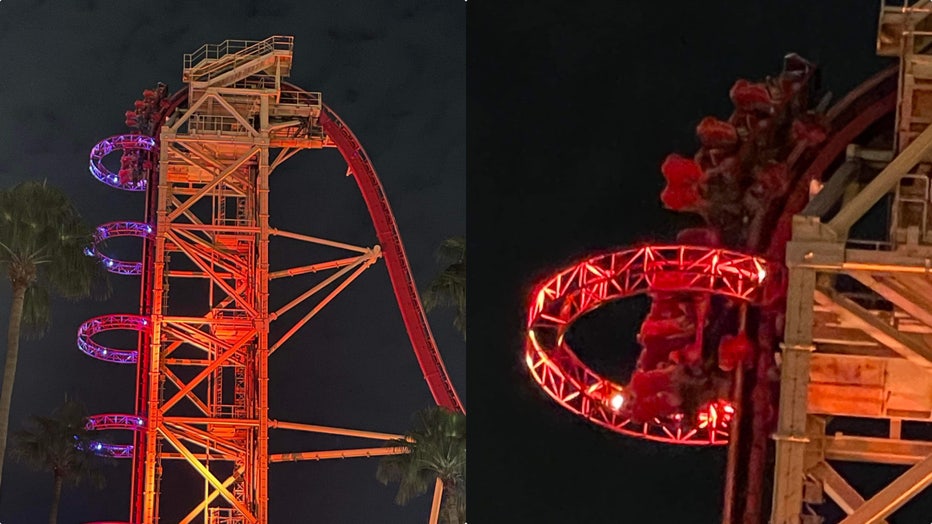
{"points": [[357, 261], [229, 170], [208, 476], [208, 370], [836, 487], [897, 493], [882, 184], [214, 277], [909, 347], [198, 403], [326, 300], [234, 113], [199, 509], [916, 305]]}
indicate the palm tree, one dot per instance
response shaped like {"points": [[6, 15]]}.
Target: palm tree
{"points": [[60, 444], [449, 287], [436, 454], [41, 242]]}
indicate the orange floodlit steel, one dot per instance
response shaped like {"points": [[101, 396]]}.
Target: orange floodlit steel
{"points": [[203, 156]]}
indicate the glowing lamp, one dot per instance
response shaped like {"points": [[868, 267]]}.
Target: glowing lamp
{"points": [[617, 401]]}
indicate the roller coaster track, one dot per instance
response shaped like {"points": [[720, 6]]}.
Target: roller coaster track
{"points": [[425, 348]]}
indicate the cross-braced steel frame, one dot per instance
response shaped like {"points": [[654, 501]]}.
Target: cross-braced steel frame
{"points": [[863, 355], [202, 367]]}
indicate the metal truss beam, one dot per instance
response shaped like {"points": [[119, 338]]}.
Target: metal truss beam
{"points": [[909, 347], [914, 304], [882, 184], [208, 476], [199, 509], [337, 453], [897, 493], [329, 430], [875, 450], [836, 487]]}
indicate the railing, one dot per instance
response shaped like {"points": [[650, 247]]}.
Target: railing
{"points": [[873, 245], [257, 81], [213, 59], [215, 125], [310, 98], [238, 48]]}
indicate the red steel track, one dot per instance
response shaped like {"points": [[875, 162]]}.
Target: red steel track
{"points": [[588, 285], [425, 348]]}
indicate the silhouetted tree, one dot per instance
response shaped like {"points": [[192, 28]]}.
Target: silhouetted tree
{"points": [[61, 445], [42, 238], [449, 287], [436, 449]]}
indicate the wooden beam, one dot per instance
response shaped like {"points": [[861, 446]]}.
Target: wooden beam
{"points": [[908, 346], [897, 493], [875, 450], [836, 487], [894, 291], [882, 184]]}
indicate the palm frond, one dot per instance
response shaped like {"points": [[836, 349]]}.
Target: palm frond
{"points": [[36, 318], [452, 250], [448, 289], [60, 444], [437, 449], [43, 238]]}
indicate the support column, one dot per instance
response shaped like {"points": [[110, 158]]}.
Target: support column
{"points": [[262, 281], [791, 438]]}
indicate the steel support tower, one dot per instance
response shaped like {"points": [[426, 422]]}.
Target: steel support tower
{"points": [[202, 396], [858, 338]]}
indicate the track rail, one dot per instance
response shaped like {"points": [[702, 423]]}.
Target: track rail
{"points": [[425, 347], [588, 285]]}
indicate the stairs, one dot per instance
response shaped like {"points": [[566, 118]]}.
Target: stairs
{"points": [[218, 65]]}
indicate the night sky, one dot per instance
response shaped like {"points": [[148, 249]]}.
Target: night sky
{"points": [[394, 71], [572, 108]]}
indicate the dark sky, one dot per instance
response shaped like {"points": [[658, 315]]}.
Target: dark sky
{"points": [[572, 108], [394, 71]]}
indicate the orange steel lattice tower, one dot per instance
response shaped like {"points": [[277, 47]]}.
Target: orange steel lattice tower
{"points": [[202, 366]]}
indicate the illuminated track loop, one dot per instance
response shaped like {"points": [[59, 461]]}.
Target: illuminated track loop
{"points": [[425, 348], [115, 230], [128, 144], [590, 284], [114, 421], [110, 323]]}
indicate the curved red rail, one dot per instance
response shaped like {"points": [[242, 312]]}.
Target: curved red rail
{"points": [[425, 348], [591, 283]]}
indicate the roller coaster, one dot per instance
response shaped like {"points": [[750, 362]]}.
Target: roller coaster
{"points": [[203, 157], [776, 322]]}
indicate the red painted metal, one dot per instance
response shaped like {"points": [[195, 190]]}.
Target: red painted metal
{"points": [[425, 348], [232, 334], [587, 285]]}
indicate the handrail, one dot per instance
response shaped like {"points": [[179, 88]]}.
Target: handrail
{"points": [[212, 57]]}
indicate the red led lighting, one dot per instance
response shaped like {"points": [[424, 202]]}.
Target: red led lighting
{"points": [[571, 293]]}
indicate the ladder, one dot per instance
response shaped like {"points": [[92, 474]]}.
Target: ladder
{"points": [[905, 31]]}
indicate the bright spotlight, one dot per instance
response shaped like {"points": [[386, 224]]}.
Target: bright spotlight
{"points": [[617, 401]]}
